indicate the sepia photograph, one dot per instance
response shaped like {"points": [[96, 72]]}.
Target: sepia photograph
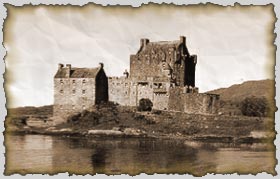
{"points": [[154, 89]]}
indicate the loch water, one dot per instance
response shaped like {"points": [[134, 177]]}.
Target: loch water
{"points": [[27, 154]]}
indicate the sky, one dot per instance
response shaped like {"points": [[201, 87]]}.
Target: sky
{"points": [[233, 44]]}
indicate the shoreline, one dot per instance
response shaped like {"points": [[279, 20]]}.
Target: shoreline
{"points": [[123, 122], [198, 138]]}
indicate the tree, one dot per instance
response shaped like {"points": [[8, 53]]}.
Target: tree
{"points": [[145, 104], [253, 106]]}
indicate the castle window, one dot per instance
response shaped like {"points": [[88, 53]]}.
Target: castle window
{"points": [[84, 81], [61, 91], [61, 82], [73, 91], [73, 81], [126, 93], [84, 91]]}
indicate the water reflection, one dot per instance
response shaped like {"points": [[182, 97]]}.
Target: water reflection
{"points": [[47, 154]]}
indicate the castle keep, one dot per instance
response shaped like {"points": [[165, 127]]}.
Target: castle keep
{"points": [[163, 72]]}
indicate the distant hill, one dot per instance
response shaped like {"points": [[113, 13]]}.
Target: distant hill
{"points": [[31, 111], [236, 93], [232, 97]]}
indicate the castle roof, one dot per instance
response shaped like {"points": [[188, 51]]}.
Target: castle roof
{"points": [[161, 46], [78, 72]]}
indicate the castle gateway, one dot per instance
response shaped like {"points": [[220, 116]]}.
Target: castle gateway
{"points": [[163, 72]]}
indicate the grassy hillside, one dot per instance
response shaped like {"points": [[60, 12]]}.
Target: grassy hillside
{"points": [[232, 97], [31, 111], [238, 92], [177, 125]]}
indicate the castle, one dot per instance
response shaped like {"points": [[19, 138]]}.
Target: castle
{"points": [[163, 72]]}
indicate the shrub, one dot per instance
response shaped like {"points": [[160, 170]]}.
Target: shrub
{"points": [[145, 104], [143, 118], [74, 118], [253, 106]]}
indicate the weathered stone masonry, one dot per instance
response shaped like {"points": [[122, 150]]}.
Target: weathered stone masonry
{"points": [[76, 89], [163, 72]]}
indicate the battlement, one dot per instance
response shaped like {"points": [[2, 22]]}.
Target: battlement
{"points": [[120, 78]]}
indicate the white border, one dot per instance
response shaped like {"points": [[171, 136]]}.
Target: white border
{"points": [[138, 3]]}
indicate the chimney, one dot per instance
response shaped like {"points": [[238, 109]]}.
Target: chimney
{"points": [[183, 39], [101, 65], [60, 66], [68, 70], [126, 74], [144, 42]]}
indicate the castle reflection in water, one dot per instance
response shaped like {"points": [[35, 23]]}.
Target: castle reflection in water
{"points": [[49, 154]]}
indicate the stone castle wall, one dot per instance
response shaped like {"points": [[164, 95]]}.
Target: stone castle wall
{"points": [[73, 95], [163, 72], [199, 103], [161, 101], [128, 91], [176, 102], [120, 90], [144, 66]]}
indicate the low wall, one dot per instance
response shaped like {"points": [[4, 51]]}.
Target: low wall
{"points": [[201, 103], [197, 103], [160, 101]]}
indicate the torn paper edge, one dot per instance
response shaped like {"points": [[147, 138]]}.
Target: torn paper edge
{"points": [[3, 112]]}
